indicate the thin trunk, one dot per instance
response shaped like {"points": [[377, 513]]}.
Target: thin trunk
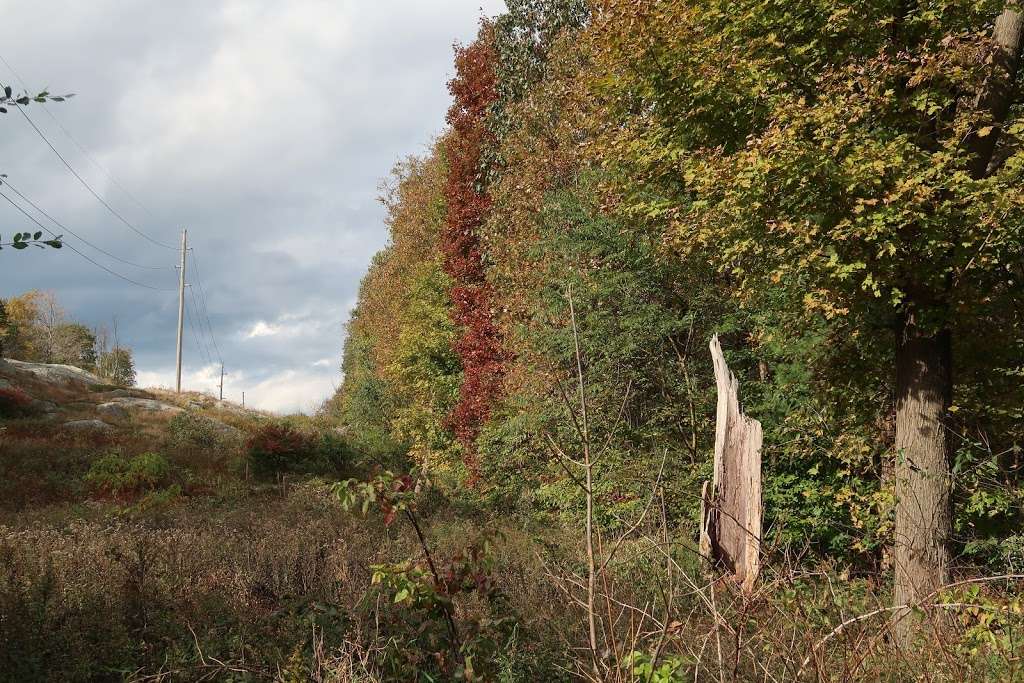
{"points": [[923, 515]]}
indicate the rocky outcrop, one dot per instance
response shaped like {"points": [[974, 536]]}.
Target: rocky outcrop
{"points": [[144, 404], [58, 374], [87, 426], [112, 410]]}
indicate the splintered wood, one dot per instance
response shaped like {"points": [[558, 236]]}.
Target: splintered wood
{"points": [[731, 503]]}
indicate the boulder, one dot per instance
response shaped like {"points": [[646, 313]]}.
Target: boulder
{"points": [[120, 393], [113, 410], [87, 426], [145, 404], [56, 374], [44, 406]]}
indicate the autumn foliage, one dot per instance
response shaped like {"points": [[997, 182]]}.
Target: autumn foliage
{"points": [[479, 346], [795, 177]]}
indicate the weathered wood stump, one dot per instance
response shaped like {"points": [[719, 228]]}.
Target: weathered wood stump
{"points": [[731, 503]]}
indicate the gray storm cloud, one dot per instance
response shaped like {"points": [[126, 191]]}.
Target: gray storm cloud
{"points": [[262, 127]]}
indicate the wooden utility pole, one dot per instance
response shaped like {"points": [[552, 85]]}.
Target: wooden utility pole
{"points": [[181, 309], [222, 381]]}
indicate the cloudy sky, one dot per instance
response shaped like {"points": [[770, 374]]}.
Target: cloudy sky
{"points": [[264, 127]]}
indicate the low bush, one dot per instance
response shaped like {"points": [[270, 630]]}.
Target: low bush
{"points": [[115, 475], [278, 447], [15, 403], [191, 429]]}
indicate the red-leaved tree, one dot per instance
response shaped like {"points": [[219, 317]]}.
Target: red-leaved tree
{"points": [[479, 346]]}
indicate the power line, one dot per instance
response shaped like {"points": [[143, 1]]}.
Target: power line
{"points": [[86, 185], [68, 230], [77, 144], [95, 263], [190, 316], [206, 310], [199, 322]]}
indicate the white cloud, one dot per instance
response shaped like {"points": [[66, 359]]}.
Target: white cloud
{"points": [[293, 391], [286, 392], [263, 329]]}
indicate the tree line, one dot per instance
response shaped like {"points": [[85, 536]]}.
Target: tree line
{"points": [[832, 187], [35, 328]]}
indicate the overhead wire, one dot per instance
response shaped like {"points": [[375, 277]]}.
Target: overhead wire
{"points": [[199, 312], [206, 310], [190, 316], [69, 231], [86, 185], [200, 340], [81, 148], [87, 258]]}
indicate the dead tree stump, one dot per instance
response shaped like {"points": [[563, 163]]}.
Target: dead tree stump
{"points": [[730, 533]]}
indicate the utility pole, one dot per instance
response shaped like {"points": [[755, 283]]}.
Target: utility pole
{"points": [[243, 399], [222, 381], [181, 308]]}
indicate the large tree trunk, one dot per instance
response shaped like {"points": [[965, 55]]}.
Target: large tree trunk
{"points": [[923, 515], [924, 377]]}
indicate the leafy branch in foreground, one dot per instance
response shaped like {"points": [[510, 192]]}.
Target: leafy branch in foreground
{"points": [[8, 98], [425, 590], [23, 240]]}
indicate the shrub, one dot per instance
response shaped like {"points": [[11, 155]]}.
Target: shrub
{"points": [[277, 447], [333, 452], [15, 403], [115, 475], [191, 429]]}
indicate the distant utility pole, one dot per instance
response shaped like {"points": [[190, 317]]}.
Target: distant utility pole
{"points": [[222, 381], [181, 308], [243, 399]]}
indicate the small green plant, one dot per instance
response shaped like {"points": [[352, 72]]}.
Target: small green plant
{"points": [[645, 669], [426, 632], [118, 476]]}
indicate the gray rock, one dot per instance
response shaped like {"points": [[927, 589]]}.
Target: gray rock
{"points": [[56, 374], [87, 426], [145, 404], [232, 408], [226, 430], [113, 410], [119, 393], [44, 406]]}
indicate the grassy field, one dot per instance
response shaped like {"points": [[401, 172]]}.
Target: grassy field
{"points": [[212, 544]]}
